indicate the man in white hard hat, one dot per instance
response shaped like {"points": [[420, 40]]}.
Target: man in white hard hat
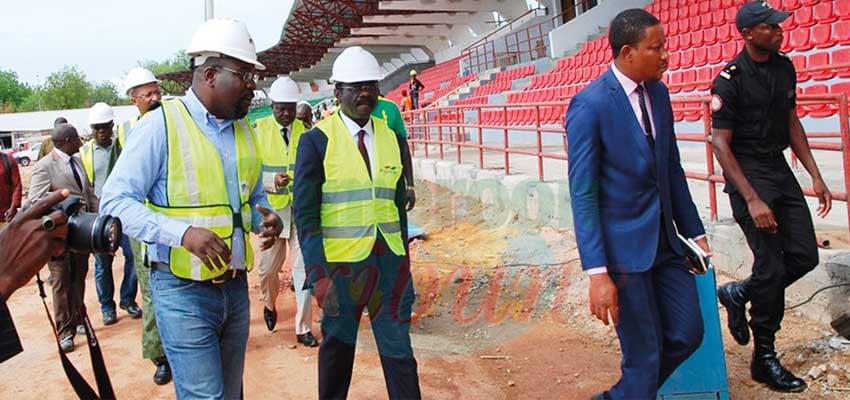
{"points": [[144, 91], [196, 165], [278, 136], [98, 157], [304, 112], [349, 200], [415, 87]]}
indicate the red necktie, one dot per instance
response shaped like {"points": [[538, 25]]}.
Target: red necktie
{"points": [[361, 145]]}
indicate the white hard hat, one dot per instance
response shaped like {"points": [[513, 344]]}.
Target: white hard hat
{"points": [[284, 90], [413, 72], [355, 64], [137, 77], [100, 113], [224, 36]]}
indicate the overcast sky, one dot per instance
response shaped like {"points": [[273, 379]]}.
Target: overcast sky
{"points": [[105, 38]]}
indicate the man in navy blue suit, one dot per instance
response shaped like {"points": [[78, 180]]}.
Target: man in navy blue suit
{"points": [[628, 190]]}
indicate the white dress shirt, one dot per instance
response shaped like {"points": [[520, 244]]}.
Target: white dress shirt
{"points": [[368, 138], [78, 165]]}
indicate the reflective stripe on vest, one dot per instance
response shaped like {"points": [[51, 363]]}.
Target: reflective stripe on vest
{"points": [[87, 158], [354, 206], [196, 190], [278, 158], [124, 128]]}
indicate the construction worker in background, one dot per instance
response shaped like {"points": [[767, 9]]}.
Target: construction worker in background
{"points": [[98, 156], [415, 87], [406, 103], [196, 165], [278, 135], [349, 196], [144, 91], [387, 110], [304, 112]]}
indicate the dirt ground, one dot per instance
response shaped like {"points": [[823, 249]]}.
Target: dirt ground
{"points": [[500, 314]]}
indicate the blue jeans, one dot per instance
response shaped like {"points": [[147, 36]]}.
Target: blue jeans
{"points": [[204, 331], [104, 283]]}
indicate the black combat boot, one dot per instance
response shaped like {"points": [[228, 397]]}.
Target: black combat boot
{"points": [[163, 371], [734, 297], [766, 369]]}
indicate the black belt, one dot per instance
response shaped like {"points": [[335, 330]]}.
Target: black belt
{"points": [[228, 276]]}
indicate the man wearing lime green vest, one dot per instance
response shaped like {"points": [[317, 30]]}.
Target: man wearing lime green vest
{"points": [[144, 91], [98, 156], [189, 184], [349, 197], [278, 136]]}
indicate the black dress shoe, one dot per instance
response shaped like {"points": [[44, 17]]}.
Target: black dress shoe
{"points": [[163, 371], [766, 369], [307, 339], [270, 317], [109, 317], [601, 396], [133, 309], [732, 297]]}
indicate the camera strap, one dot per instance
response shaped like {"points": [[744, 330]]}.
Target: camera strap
{"points": [[81, 387]]}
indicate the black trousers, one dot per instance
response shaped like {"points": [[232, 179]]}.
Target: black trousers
{"points": [[780, 258], [382, 284]]}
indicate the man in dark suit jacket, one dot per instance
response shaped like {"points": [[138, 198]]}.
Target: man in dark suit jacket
{"points": [[628, 190]]}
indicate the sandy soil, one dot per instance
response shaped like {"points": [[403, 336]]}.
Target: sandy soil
{"points": [[500, 314]]}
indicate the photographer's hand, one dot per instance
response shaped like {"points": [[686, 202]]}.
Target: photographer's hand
{"points": [[25, 246], [271, 228], [206, 245]]}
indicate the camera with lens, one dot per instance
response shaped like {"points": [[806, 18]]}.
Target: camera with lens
{"points": [[89, 232]]}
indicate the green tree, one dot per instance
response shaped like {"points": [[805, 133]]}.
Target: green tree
{"points": [[33, 102], [106, 92], [178, 62], [12, 91], [66, 88]]}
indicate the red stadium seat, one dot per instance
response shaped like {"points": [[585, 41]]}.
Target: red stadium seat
{"points": [[687, 59], [800, 64], [675, 59], [696, 38], [730, 14], [818, 60], [811, 2], [841, 32], [803, 16], [824, 12], [684, 40], [684, 25], [705, 19], [704, 77], [709, 36], [730, 50], [842, 9], [664, 16], [689, 78], [675, 82], [694, 22], [789, 5], [789, 24], [693, 11], [822, 36], [841, 59], [673, 43], [800, 39], [700, 56], [718, 17], [840, 88], [725, 33], [715, 54], [727, 3], [819, 110], [705, 7]]}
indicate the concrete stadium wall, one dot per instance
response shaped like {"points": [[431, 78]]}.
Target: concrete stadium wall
{"points": [[548, 204]]}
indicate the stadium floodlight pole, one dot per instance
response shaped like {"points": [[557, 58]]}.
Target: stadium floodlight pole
{"points": [[209, 11]]}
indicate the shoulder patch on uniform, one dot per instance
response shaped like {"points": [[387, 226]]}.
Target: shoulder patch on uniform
{"points": [[716, 103], [728, 72]]}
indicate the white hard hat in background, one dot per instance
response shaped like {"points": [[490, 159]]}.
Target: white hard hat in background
{"points": [[355, 64], [137, 77], [227, 37], [100, 113], [284, 90], [413, 72]]}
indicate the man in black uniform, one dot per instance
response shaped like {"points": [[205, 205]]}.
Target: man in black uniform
{"points": [[754, 120]]}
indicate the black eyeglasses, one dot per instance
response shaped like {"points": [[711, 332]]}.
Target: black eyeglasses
{"points": [[246, 76], [370, 87]]}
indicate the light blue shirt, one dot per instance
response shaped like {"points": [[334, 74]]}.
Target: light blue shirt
{"points": [[141, 173]]}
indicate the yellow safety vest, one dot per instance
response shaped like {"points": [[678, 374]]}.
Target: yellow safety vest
{"points": [[355, 207], [87, 157], [124, 128], [278, 157], [196, 188]]}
